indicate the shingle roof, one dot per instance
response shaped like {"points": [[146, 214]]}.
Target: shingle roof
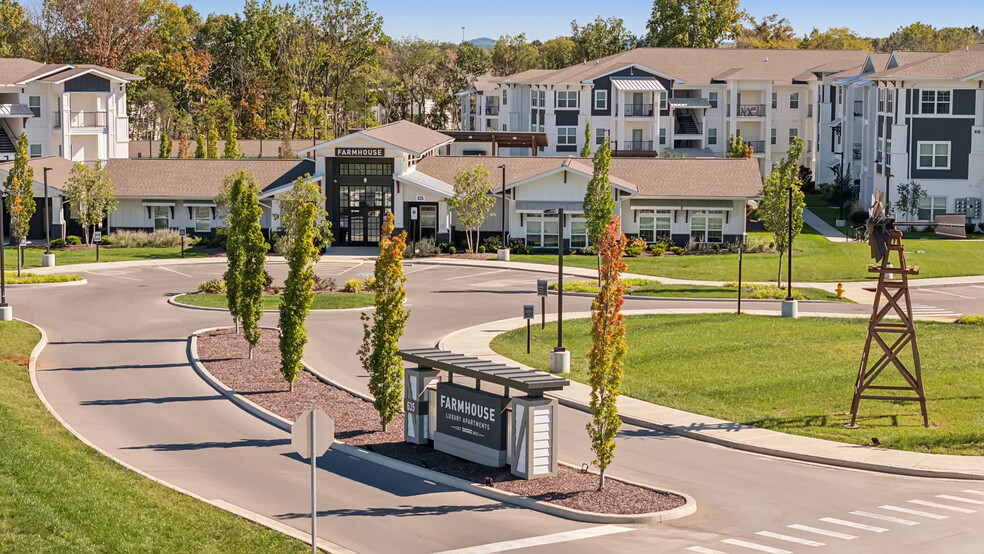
{"points": [[197, 178], [947, 65], [61, 169], [407, 136], [77, 70], [19, 70]]}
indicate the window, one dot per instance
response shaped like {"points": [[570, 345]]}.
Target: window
{"points": [[934, 155], [662, 99], [662, 137], [889, 99], [504, 127], [935, 101], [656, 225], [538, 98], [579, 232], [600, 135], [601, 100], [772, 136], [505, 97], [881, 99], [162, 217], [712, 97], [793, 133], [930, 207], [34, 102], [794, 101], [203, 219], [775, 100], [542, 231], [35, 150], [707, 226], [712, 136], [566, 135], [365, 169], [566, 98]]}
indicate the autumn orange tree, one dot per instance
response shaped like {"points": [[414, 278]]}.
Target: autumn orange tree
{"points": [[608, 348], [384, 329]]}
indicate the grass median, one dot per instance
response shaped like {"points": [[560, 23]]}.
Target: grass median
{"points": [[646, 287], [332, 301], [61, 496], [790, 375], [32, 255], [33, 279]]}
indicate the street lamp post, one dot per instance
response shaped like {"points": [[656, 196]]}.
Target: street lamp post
{"points": [[6, 312], [789, 306], [47, 259], [560, 358], [503, 252]]}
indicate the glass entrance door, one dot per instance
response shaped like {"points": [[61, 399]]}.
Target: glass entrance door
{"points": [[361, 210], [428, 221]]}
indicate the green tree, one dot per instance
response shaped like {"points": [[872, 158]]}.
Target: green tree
{"points": [[512, 54], [15, 30], [91, 195], [415, 63], [246, 232], [600, 38], [910, 193], [586, 151], [231, 145], [165, 148], [472, 201], [835, 38], [842, 191], [474, 60], [228, 200], [383, 330], [212, 144], [770, 32], [20, 197], [693, 23], [599, 203], [201, 148], [298, 293], [303, 192], [558, 53], [738, 148], [607, 350], [773, 210]]}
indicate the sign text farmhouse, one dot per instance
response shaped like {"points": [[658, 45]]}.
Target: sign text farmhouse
{"points": [[471, 415], [350, 152]]}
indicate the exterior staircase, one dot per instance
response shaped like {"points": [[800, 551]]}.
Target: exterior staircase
{"points": [[686, 125], [6, 145]]}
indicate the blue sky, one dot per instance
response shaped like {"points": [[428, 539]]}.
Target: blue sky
{"points": [[545, 19]]}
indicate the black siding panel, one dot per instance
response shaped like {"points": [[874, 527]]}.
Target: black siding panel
{"points": [[963, 102], [957, 131], [567, 148], [87, 83], [908, 101], [566, 118], [605, 83]]}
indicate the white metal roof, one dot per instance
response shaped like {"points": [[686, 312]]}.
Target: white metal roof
{"points": [[638, 84]]}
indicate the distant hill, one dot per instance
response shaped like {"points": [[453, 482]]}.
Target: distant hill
{"points": [[483, 42]]}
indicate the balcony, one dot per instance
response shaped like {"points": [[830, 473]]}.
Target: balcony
{"points": [[82, 120], [637, 110], [856, 151], [633, 148], [751, 110], [491, 110], [758, 146]]}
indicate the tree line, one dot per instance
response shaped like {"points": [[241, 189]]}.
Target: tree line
{"points": [[316, 68]]}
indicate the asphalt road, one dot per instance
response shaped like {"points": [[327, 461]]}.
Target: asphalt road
{"points": [[117, 370]]}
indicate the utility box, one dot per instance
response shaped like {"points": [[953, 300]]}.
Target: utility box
{"points": [[416, 405]]}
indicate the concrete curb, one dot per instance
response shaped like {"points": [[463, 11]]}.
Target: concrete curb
{"points": [[720, 439], [265, 521], [492, 493], [698, 299], [171, 300], [76, 283]]}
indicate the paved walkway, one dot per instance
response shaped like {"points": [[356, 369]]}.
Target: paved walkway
{"points": [[474, 341], [827, 230]]}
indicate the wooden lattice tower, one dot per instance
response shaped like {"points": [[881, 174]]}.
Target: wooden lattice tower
{"points": [[891, 337]]}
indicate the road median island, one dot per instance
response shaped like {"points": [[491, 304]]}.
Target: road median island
{"points": [[271, 303], [572, 494]]}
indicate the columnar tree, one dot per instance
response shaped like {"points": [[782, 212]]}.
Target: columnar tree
{"points": [[91, 195], [231, 145], [738, 148], [472, 202], [200, 146], [773, 210], [229, 198], [383, 330], [254, 249], [301, 256], [608, 349], [212, 144], [586, 151], [20, 197], [303, 192], [599, 204], [183, 145]]}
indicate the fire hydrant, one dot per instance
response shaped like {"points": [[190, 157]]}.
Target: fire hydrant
{"points": [[840, 290]]}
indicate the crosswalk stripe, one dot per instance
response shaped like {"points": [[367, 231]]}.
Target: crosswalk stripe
{"points": [[846, 523], [825, 532], [787, 538], [943, 506], [913, 512], [972, 491], [567, 536], [753, 546], [881, 517], [960, 499], [702, 550]]}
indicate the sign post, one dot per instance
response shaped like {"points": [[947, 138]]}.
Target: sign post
{"points": [[181, 233], [528, 316], [311, 435], [541, 291], [413, 232], [97, 237]]}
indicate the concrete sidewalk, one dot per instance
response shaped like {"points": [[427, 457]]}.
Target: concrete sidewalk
{"points": [[819, 225], [474, 341]]}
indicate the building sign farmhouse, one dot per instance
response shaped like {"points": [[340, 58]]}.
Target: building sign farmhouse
{"points": [[472, 415], [356, 152]]}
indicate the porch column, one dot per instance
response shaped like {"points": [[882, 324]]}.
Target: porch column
{"points": [[767, 132], [65, 112], [734, 109]]}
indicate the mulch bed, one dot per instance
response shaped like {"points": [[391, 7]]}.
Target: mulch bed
{"points": [[224, 354]]}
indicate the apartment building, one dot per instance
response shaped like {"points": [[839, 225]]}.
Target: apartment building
{"points": [[910, 116], [76, 112], [652, 101]]}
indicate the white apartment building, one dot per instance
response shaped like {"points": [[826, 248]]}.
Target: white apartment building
{"points": [[76, 112], [650, 101]]}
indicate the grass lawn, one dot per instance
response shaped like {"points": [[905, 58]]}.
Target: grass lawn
{"points": [[332, 301], [790, 375], [645, 287], [32, 256], [61, 496], [828, 213], [816, 259], [32, 279]]}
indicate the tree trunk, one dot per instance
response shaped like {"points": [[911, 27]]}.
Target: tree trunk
{"points": [[779, 278], [251, 352], [599, 268], [601, 480], [19, 259], [383, 423]]}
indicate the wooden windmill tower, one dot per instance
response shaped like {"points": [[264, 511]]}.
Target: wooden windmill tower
{"points": [[892, 338]]}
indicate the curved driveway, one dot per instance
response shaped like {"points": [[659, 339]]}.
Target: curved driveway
{"points": [[116, 369]]}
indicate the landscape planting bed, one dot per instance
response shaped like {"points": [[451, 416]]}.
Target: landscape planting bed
{"points": [[224, 355]]}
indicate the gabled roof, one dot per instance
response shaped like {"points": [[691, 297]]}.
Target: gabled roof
{"points": [[19, 71], [61, 169], [958, 64], [402, 135]]}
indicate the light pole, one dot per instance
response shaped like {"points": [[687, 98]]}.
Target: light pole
{"points": [[503, 253], [6, 313], [560, 358], [48, 259]]}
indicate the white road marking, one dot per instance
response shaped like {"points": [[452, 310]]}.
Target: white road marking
{"points": [[913, 512], [943, 506], [173, 271], [108, 275], [702, 550], [834, 534], [419, 269], [846, 523], [960, 499], [890, 519], [753, 546], [972, 491], [949, 294], [787, 538], [566, 536], [347, 270], [473, 275]]}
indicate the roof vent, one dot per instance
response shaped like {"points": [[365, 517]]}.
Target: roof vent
{"points": [[766, 59]]}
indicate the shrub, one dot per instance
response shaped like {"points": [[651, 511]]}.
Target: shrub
{"points": [[657, 249], [73, 240], [481, 249], [369, 283], [587, 251], [491, 244], [425, 248], [678, 250], [321, 284], [859, 217], [444, 246], [637, 242], [160, 238], [353, 285], [971, 320], [515, 244], [214, 286], [452, 250], [58, 243], [633, 251]]}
